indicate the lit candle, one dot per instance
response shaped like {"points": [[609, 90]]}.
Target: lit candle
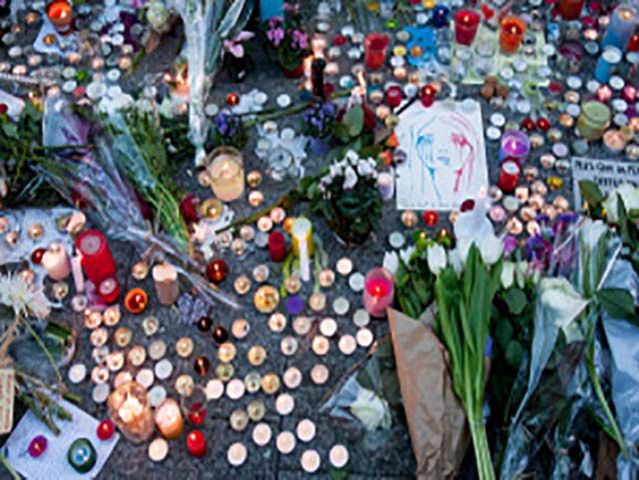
{"points": [[604, 93], [277, 246], [386, 185], [379, 291], [136, 301], [609, 59], [302, 239], [56, 261], [109, 290], [166, 283], [511, 34], [97, 260], [130, 409], [466, 26], [593, 120], [394, 96], [514, 144], [226, 170], [509, 175], [570, 9], [623, 22], [168, 419], [614, 141], [60, 14], [440, 16], [428, 93], [196, 443], [375, 47]]}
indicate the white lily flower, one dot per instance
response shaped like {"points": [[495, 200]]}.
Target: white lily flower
{"points": [[629, 196], [473, 225], [406, 253], [591, 232], [335, 170], [436, 258], [454, 257], [508, 274], [563, 302], [350, 178], [391, 261], [521, 273], [363, 169], [352, 157], [491, 248]]}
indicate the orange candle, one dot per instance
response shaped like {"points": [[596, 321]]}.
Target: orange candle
{"points": [[168, 419], [135, 301], [60, 14], [511, 34]]}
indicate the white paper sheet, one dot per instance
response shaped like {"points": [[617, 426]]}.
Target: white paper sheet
{"points": [[53, 464]]}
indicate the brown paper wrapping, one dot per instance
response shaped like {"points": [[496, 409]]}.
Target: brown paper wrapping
{"points": [[436, 420]]}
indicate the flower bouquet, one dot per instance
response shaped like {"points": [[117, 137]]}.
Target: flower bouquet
{"points": [[229, 130], [317, 125], [347, 196], [287, 42]]}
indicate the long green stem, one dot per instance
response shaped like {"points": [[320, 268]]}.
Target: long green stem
{"points": [[9, 468], [485, 468], [44, 348], [592, 371]]}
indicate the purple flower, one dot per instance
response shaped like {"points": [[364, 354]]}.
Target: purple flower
{"points": [[300, 40], [510, 245], [275, 22], [275, 36]]}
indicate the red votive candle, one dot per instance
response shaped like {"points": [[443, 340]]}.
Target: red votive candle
{"points": [[466, 25], [428, 95], [511, 34], [394, 96], [196, 443], [277, 246], [509, 175], [570, 9], [60, 14], [375, 47], [109, 290], [97, 260], [633, 44]]}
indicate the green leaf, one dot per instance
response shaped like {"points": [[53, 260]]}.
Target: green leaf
{"points": [[514, 353], [338, 474], [503, 333], [10, 130], [516, 300], [354, 120], [617, 302], [590, 193]]}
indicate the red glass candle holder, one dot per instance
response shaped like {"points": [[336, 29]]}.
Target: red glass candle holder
{"points": [[570, 9], [60, 14], [509, 175], [217, 270], [97, 260], [466, 26], [379, 291], [633, 44], [511, 34], [196, 443], [394, 96], [136, 301], [428, 95], [277, 246], [109, 290], [375, 48]]}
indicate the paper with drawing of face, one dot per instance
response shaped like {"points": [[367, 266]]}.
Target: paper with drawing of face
{"points": [[446, 159]]}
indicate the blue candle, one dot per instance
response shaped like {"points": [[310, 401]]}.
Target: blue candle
{"points": [[270, 9], [609, 59], [440, 16], [623, 22]]}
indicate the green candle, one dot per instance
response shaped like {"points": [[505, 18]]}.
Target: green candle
{"points": [[82, 456], [593, 120]]}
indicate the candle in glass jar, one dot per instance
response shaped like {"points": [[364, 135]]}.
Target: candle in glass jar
{"points": [[375, 47], [509, 175], [466, 26], [570, 9], [630, 93], [394, 96], [130, 409], [511, 34], [386, 185], [593, 120], [440, 16], [97, 260], [167, 286], [609, 59], [379, 291], [302, 242], [514, 144], [196, 443], [60, 14], [109, 290], [277, 246], [623, 22], [56, 261], [226, 170], [614, 141], [168, 418]]}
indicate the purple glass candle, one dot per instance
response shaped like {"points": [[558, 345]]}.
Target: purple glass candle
{"points": [[514, 144]]}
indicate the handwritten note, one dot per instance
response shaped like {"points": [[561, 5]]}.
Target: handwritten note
{"points": [[607, 174]]}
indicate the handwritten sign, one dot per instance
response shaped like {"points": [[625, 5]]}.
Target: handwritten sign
{"points": [[607, 174], [7, 393]]}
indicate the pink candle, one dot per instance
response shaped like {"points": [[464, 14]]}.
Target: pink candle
{"points": [[379, 291]]}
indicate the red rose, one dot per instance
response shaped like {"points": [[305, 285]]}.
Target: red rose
{"points": [[188, 208], [370, 119]]}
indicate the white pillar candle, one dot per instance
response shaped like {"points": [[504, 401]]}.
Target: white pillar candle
{"points": [[56, 261], [166, 283], [78, 275], [386, 185]]}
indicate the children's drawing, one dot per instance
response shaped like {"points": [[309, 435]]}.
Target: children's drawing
{"points": [[446, 157]]}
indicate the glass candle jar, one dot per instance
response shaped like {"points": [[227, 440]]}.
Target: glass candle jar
{"points": [[379, 291], [130, 410], [593, 120], [60, 14], [570, 9], [226, 170], [511, 34], [168, 418], [466, 26], [375, 48]]}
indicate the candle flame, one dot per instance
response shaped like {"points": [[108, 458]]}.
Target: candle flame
{"points": [[308, 64], [362, 80]]}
